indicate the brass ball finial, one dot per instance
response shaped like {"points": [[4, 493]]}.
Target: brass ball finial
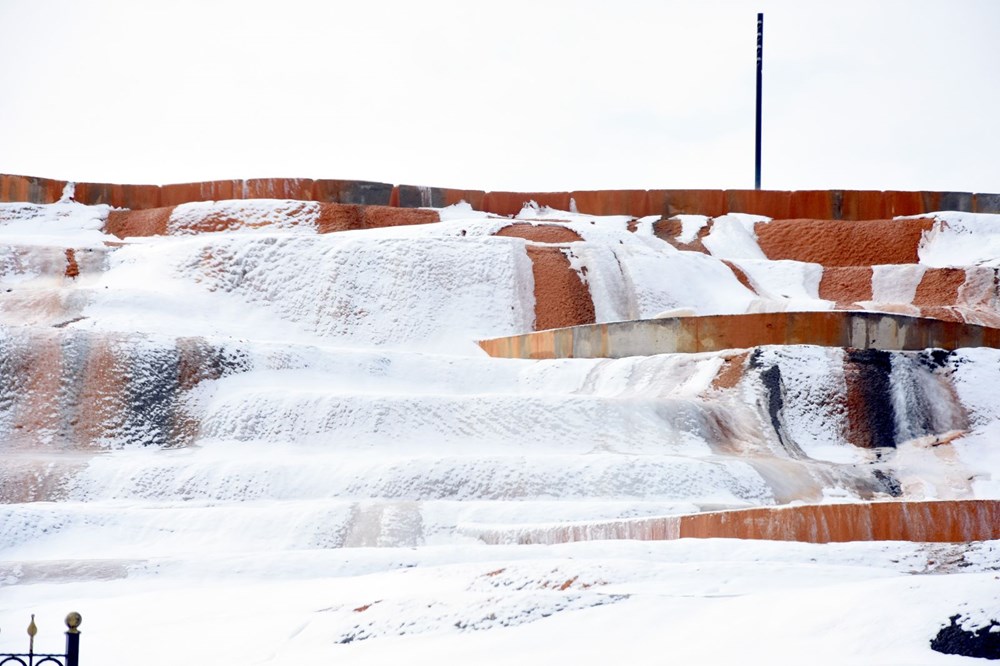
{"points": [[32, 629], [73, 621]]}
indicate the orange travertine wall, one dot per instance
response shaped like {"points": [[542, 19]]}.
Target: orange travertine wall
{"points": [[815, 204], [831, 328], [923, 521], [943, 521], [843, 243], [332, 217]]}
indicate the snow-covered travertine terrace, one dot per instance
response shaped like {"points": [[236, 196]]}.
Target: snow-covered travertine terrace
{"points": [[255, 391]]}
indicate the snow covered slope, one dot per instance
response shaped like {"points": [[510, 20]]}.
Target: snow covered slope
{"points": [[229, 416]]}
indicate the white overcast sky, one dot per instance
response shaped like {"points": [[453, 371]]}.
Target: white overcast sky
{"points": [[504, 94]]}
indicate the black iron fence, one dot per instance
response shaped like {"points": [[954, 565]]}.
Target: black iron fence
{"points": [[31, 658]]}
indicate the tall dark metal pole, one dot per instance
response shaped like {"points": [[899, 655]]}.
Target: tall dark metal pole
{"points": [[760, 65]]}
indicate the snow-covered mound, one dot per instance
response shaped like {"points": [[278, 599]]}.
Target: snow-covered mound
{"points": [[231, 391]]}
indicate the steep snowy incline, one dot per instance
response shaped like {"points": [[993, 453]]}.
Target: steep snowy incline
{"points": [[242, 389]]}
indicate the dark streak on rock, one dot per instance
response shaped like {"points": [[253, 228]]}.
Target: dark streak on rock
{"points": [[868, 374], [888, 482], [934, 358]]}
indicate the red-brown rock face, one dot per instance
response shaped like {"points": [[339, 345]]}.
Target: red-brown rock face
{"points": [[839, 243], [561, 297]]}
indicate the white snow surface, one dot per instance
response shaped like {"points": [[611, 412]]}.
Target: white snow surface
{"points": [[733, 237], [271, 214], [326, 504], [961, 239], [690, 226], [65, 222], [896, 283]]}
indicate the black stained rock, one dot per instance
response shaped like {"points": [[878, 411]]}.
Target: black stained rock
{"points": [[888, 482], [872, 370], [983, 643]]}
